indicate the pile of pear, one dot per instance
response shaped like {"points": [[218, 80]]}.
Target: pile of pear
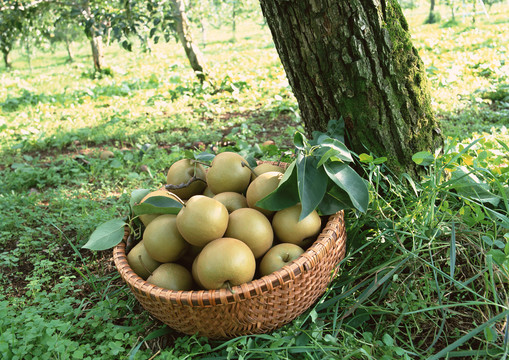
{"points": [[219, 238]]}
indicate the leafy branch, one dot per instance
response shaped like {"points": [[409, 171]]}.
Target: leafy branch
{"points": [[320, 177]]}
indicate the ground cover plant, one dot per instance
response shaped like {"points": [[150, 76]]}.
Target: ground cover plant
{"points": [[427, 268]]}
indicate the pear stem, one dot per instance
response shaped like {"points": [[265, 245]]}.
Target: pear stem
{"points": [[201, 163], [249, 167], [229, 286], [177, 198], [194, 178], [279, 161]]}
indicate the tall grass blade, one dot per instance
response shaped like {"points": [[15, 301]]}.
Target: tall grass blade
{"points": [[375, 285], [453, 250], [445, 351]]}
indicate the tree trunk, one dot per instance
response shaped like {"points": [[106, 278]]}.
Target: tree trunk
{"points": [[5, 54], [354, 59], [97, 52], [234, 23], [95, 39], [432, 17], [184, 33], [28, 50], [70, 58]]}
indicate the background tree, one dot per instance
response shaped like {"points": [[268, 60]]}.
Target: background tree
{"points": [[354, 60], [433, 16], [11, 27]]}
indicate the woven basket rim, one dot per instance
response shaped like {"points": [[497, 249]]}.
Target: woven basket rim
{"points": [[257, 287]]}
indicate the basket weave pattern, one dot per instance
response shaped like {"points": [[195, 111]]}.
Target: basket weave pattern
{"points": [[256, 307]]}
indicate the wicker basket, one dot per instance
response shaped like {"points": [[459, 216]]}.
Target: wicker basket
{"points": [[259, 306]]}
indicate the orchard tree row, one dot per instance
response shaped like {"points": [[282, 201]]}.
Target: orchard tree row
{"points": [[28, 23]]}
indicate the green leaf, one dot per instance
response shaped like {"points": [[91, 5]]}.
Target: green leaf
{"points": [[327, 154], [380, 160], [158, 205], [330, 205], [423, 158], [365, 158], [341, 198], [286, 194], [470, 186], [106, 235], [137, 195], [204, 156], [498, 256], [299, 140], [311, 182], [348, 180], [340, 149], [490, 334]]}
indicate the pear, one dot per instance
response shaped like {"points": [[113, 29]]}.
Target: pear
{"points": [[252, 228], [181, 172], [140, 261], [172, 276], [202, 220], [232, 200], [227, 173], [147, 218], [289, 229], [106, 154], [279, 256], [265, 167], [262, 186], [162, 239], [224, 263], [208, 192]]}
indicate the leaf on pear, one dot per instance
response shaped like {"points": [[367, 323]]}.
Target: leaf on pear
{"points": [[158, 205], [347, 179], [204, 156], [299, 140], [137, 195], [335, 148], [106, 235], [285, 195], [343, 200], [311, 182]]}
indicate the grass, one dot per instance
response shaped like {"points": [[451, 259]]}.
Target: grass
{"points": [[427, 267]]}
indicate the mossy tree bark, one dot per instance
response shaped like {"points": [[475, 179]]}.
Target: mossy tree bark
{"points": [[354, 59]]}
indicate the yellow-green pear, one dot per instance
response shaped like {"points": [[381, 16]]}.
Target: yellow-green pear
{"points": [[180, 173], [227, 173], [202, 220], [106, 154], [265, 167], [262, 186], [224, 263], [162, 239], [232, 200], [288, 228], [172, 276], [279, 256], [252, 228], [141, 262], [208, 192], [147, 218]]}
